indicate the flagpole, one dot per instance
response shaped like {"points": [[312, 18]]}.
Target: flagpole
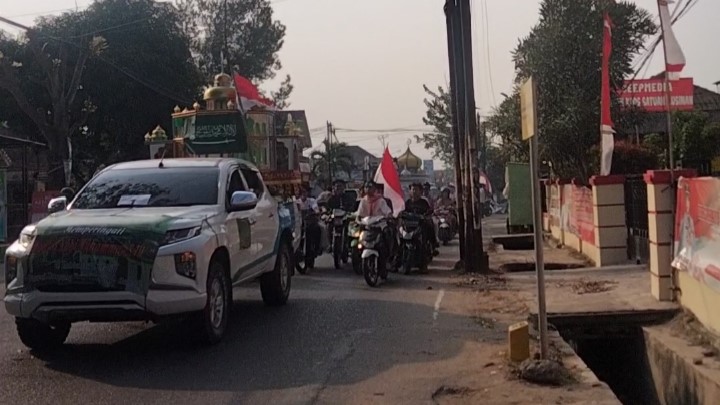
{"points": [[668, 112], [668, 117]]}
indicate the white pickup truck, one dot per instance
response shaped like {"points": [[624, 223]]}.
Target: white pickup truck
{"points": [[150, 239]]}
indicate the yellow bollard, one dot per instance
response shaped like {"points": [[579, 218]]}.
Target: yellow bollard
{"points": [[519, 341]]}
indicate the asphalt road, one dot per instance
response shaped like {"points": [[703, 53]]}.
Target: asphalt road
{"points": [[337, 341]]}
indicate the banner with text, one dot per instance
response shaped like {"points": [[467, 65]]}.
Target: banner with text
{"points": [[577, 212], [649, 94], [697, 230]]}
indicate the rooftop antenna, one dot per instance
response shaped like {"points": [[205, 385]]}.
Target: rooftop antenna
{"points": [[161, 165]]}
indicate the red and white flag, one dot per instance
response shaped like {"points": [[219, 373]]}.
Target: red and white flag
{"points": [[675, 58], [607, 138], [249, 96], [387, 174]]}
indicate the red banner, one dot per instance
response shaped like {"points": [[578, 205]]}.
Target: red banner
{"points": [[583, 213], [697, 230], [649, 94]]}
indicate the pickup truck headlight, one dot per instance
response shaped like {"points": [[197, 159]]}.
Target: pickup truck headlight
{"points": [[180, 235], [27, 235]]}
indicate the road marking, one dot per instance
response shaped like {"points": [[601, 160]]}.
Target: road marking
{"points": [[438, 300]]}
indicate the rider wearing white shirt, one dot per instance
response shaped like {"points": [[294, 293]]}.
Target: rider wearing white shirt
{"points": [[372, 204]]}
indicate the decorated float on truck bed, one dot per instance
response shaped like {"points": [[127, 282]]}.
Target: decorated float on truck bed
{"points": [[272, 139]]}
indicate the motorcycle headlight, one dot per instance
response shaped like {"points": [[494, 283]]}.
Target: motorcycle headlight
{"points": [[181, 235]]}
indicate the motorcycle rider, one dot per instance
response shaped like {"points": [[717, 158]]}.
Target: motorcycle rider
{"points": [[427, 193], [316, 230], [417, 204], [339, 199], [372, 204], [444, 201]]}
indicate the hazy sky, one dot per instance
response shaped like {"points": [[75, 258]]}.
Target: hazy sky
{"points": [[361, 64]]}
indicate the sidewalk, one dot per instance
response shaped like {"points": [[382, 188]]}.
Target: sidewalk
{"points": [[486, 375], [583, 291]]}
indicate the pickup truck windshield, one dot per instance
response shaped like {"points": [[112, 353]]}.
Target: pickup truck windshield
{"points": [[170, 187]]}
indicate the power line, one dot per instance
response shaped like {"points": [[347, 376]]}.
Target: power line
{"points": [[487, 50]]}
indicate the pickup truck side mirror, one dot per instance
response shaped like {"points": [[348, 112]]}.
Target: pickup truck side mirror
{"points": [[57, 204], [243, 201]]}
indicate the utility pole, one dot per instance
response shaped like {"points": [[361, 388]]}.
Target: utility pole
{"points": [[479, 259], [482, 132], [456, 87], [328, 150]]}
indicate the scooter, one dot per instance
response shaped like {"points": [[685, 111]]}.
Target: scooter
{"points": [[446, 229], [339, 246], [417, 250], [373, 247]]}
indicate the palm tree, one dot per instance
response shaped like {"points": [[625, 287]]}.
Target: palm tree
{"points": [[334, 159]]}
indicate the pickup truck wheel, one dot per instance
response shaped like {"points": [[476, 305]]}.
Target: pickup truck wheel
{"points": [[41, 336], [217, 308], [275, 286]]}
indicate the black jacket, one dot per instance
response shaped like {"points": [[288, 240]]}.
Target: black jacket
{"points": [[344, 202], [421, 206]]}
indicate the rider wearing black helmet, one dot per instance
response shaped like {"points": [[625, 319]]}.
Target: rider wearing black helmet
{"points": [[418, 204]]}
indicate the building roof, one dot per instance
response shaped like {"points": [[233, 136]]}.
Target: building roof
{"points": [[358, 154], [10, 139]]}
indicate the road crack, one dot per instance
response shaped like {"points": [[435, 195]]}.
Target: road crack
{"points": [[339, 358]]}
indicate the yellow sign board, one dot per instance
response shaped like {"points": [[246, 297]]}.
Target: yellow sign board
{"points": [[528, 109]]}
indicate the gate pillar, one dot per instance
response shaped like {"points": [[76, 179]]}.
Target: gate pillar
{"points": [[609, 220], [661, 199]]}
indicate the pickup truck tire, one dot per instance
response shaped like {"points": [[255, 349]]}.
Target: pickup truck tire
{"points": [[275, 286], [219, 300], [41, 336]]}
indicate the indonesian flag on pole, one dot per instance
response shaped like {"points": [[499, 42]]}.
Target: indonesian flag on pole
{"points": [[249, 96], [675, 59], [606, 123], [387, 174]]}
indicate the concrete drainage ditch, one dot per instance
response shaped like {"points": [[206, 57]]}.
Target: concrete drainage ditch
{"points": [[616, 348]]}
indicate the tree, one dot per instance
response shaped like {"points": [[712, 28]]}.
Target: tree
{"points": [[438, 116], [504, 125], [281, 96], [145, 72], [696, 140], [237, 34], [43, 74], [334, 159], [563, 53]]}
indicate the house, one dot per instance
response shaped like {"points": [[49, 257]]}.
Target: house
{"points": [[358, 156]]}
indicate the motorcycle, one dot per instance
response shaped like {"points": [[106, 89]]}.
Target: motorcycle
{"points": [[374, 249], [417, 250], [353, 240], [446, 226], [308, 250], [339, 245]]}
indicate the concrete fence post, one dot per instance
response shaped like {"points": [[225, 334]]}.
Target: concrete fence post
{"points": [[609, 220], [661, 197]]}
